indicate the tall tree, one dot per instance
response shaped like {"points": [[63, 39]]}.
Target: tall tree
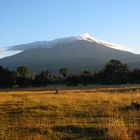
{"points": [[48, 75], [134, 76], [86, 77], [63, 72], [42, 79], [22, 71], [115, 72], [22, 78], [7, 78]]}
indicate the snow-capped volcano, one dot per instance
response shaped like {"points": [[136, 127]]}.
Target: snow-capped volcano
{"points": [[67, 40], [77, 53]]}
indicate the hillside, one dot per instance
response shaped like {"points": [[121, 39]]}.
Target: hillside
{"points": [[75, 53]]}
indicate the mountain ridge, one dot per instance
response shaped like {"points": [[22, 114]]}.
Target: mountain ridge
{"points": [[48, 44], [76, 53]]}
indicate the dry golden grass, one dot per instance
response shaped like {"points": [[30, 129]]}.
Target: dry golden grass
{"points": [[71, 114]]}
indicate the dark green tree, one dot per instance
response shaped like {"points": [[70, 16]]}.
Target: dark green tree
{"points": [[22, 71], [22, 78], [63, 72], [115, 72], [86, 77], [134, 76], [43, 78], [73, 80], [7, 77], [48, 75]]}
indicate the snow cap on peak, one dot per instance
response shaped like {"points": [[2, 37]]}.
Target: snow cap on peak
{"points": [[86, 37]]}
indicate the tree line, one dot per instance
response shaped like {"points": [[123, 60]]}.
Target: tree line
{"points": [[114, 72]]}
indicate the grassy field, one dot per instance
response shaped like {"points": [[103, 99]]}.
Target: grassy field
{"points": [[100, 113]]}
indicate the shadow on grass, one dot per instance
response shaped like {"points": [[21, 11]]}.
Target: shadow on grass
{"points": [[87, 131], [132, 106]]}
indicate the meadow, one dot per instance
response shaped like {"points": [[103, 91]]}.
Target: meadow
{"points": [[107, 113]]}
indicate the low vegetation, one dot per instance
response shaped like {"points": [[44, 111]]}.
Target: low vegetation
{"points": [[98, 113], [114, 72]]}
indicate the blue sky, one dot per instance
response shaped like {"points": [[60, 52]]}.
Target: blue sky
{"points": [[23, 21]]}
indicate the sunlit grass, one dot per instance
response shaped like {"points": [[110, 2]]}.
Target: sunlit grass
{"points": [[71, 114]]}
